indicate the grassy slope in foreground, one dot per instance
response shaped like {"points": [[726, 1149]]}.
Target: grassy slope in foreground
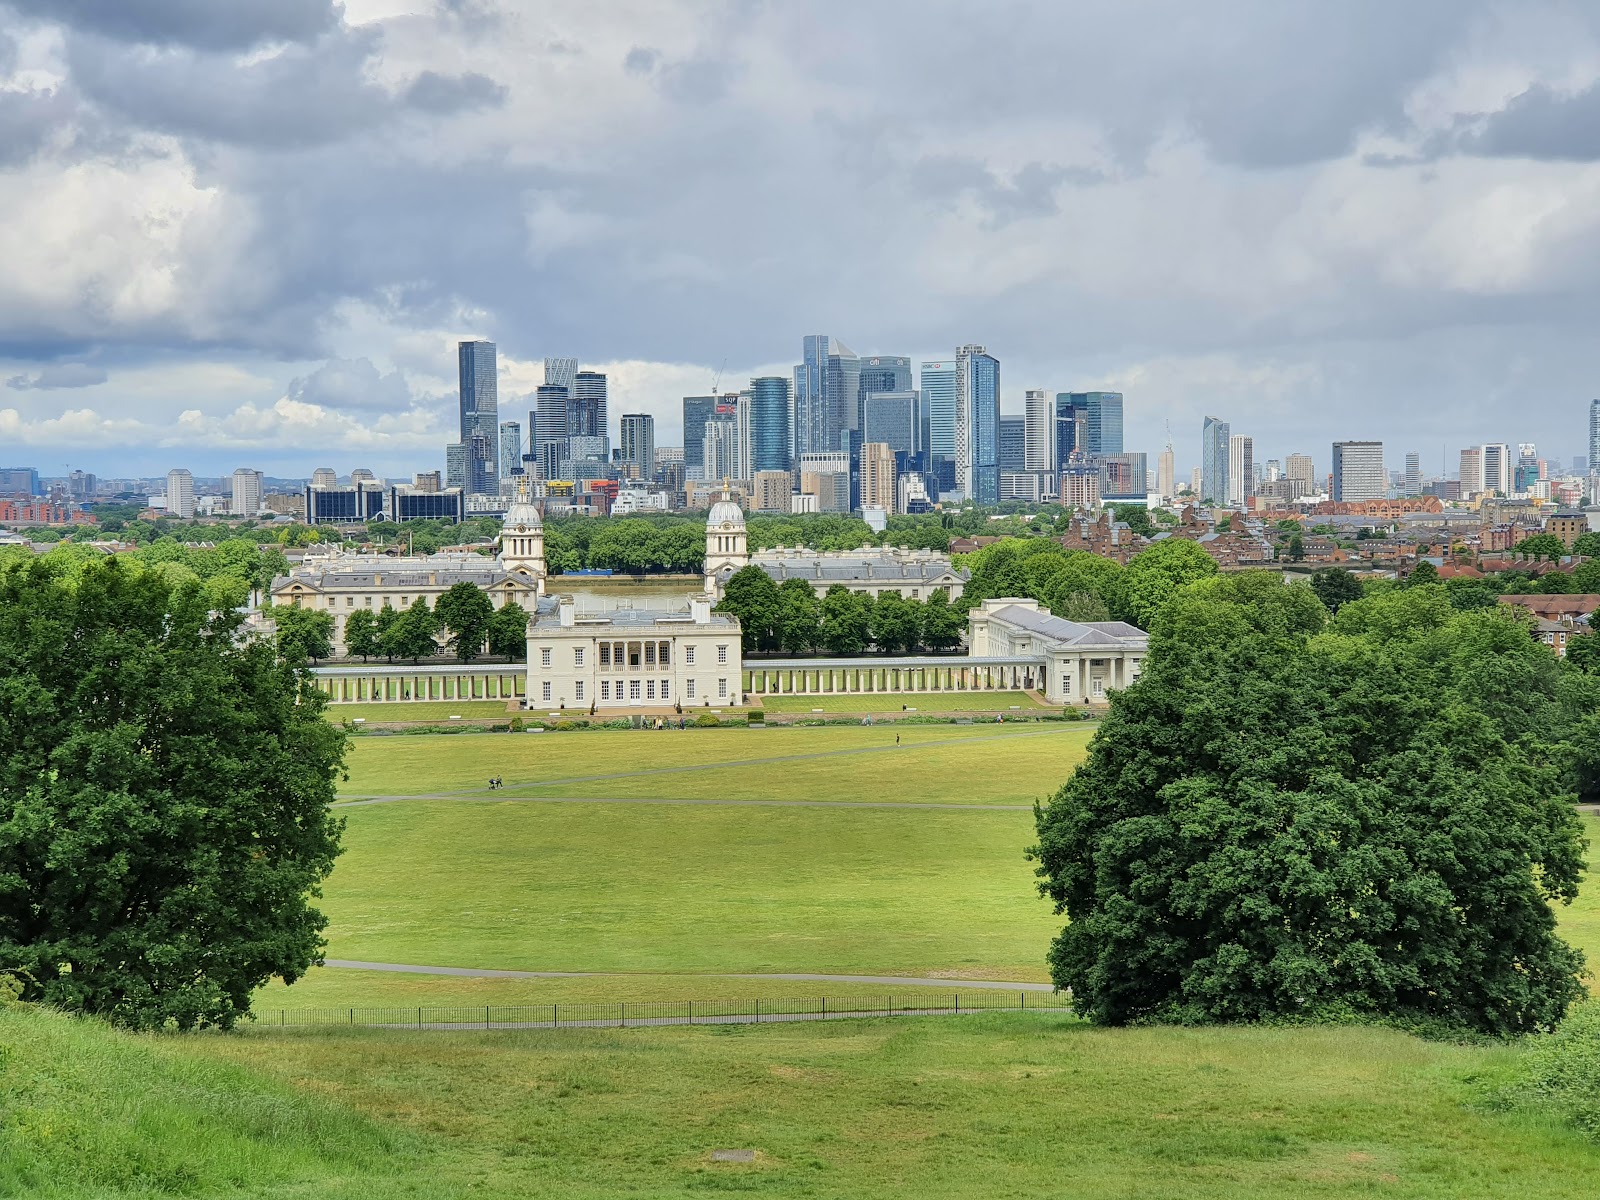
{"points": [[962, 1107]]}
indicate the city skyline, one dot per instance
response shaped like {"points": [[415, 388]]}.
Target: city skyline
{"points": [[283, 279]]}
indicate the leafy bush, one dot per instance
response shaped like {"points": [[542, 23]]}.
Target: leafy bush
{"points": [[1558, 1073], [706, 721]]}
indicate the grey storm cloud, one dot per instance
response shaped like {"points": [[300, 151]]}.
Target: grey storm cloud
{"points": [[346, 384], [445, 94], [1542, 123], [59, 375], [210, 24]]}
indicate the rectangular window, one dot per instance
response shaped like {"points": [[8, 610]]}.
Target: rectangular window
{"points": [[578, 690], [650, 689], [722, 689], [349, 601], [605, 689], [666, 689], [722, 654], [367, 600], [547, 689], [688, 656], [633, 689], [544, 657], [689, 689], [633, 654], [664, 654], [649, 654], [577, 656], [404, 601], [605, 654]]}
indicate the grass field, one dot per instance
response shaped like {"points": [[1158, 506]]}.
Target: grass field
{"points": [[921, 702], [419, 710], [969, 1107]]}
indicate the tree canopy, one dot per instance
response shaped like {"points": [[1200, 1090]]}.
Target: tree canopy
{"points": [[1283, 818], [166, 786]]}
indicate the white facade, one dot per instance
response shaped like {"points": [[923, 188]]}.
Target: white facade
{"points": [[180, 493], [1039, 431], [727, 547], [1078, 661], [633, 658], [246, 499]]}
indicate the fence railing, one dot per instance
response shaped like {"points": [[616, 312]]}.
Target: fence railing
{"points": [[625, 1013]]}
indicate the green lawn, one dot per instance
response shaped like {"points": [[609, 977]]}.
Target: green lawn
{"points": [[688, 889], [419, 710], [968, 1107], [968, 764], [921, 702]]}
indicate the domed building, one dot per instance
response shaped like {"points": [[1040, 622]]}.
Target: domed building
{"points": [[727, 545], [521, 540]]}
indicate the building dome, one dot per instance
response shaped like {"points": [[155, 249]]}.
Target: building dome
{"points": [[523, 515], [725, 513]]}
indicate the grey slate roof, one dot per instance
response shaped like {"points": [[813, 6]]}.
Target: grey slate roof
{"points": [[1071, 633]]}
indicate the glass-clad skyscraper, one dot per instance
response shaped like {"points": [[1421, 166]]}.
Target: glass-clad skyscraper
{"points": [[1013, 443], [769, 423], [480, 415], [892, 418], [587, 409], [1214, 460], [978, 424], [1103, 413], [879, 374], [939, 402]]}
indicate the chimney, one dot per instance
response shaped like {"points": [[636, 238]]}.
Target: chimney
{"points": [[700, 609], [569, 612]]}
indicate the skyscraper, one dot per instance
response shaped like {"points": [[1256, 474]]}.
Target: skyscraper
{"points": [[1471, 471], [879, 374], [324, 477], [978, 424], [588, 406], [1214, 460], [938, 380], [697, 410], [1241, 469], [843, 393], [1497, 468], [552, 409], [1167, 474], [637, 441], [1039, 419], [560, 372], [1413, 474], [1104, 411], [720, 448], [878, 477], [1072, 427], [510, 449], [1594, 436], [827, 394], [180, 494], [891, 418], [1013, 444], [769, 423], [480, 414], [246, 499], [1358, 472]]}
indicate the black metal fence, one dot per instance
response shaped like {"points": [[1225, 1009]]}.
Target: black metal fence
{"points": [[624, 1014]]}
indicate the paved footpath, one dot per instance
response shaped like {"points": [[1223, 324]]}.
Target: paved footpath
{"points": [[886, 980]]}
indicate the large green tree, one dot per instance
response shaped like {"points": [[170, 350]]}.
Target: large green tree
{"points": [[1336, 587], [165, 787], [1281, 820], [1155, 574], [508, 632], [752, 597], [942, 622], [846, 620], [302, 632], [896, 623], [1541, 545], [361, 634], [465, 611], [799, 617], [411, 633]]}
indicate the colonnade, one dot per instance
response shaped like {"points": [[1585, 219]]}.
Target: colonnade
{"points": [[945, 675], [352, 687]]}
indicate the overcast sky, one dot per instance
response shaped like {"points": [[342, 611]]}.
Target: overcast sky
{"points": [[250, 233]]}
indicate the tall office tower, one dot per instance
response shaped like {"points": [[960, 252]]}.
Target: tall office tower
{"points": [[551, 412], [878, 477], [978, 424], [1302, 472], [455, 468], [637, 442], [1104, 411], [587, 408], [844, 393], [1358, 472], [1013, 443], [180, 493], [1471, 471], [561, 372], [1072, 427], [1124, 476], [1413, 474], [1214, 460], [1167, 474], [720, 448], [745, 468], [324, 477], [892, 418], [1593, 463], [246, 499], [554, 459], [938, 387], [480, 413], [510, 449], [1526, 472], [879, 374], [1274, 470], [827, 394], [360, 475], [1496, 467], [1039, 421], [697, 410], [1241, 469], [769, 424], [1196, 480]]}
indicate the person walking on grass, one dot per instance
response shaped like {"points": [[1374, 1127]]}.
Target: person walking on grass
{"points": [[897, 740]]}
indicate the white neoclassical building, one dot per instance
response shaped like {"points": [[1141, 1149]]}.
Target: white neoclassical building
{"points": [[727, 544], [1077, 660]]}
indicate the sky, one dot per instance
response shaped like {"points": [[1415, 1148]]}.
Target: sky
{"points": [[250, 234]]}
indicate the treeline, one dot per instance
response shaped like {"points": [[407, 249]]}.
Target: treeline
{"points": [[464, 613], [227, 572], [792, 619]]}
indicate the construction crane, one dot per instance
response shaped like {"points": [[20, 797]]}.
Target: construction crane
{"points": [[716, 380]]}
